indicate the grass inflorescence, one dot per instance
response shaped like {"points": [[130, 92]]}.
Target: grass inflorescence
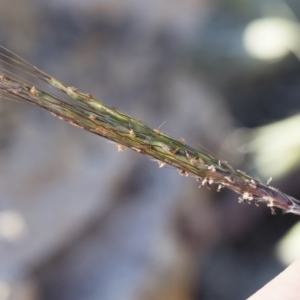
{"points": [[86, 112]]}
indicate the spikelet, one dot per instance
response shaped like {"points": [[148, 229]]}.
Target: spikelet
{"points": [[86, 112]]}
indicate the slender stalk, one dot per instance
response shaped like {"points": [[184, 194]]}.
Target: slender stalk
{"points": [[86, 112]]}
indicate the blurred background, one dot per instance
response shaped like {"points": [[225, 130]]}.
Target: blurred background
{"points": [[78, 220]]}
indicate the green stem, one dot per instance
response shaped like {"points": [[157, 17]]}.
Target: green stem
{"points": [[90, 114]]}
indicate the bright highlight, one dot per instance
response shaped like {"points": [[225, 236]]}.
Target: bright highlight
{"points": [[12, 225], [270, 38]]}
